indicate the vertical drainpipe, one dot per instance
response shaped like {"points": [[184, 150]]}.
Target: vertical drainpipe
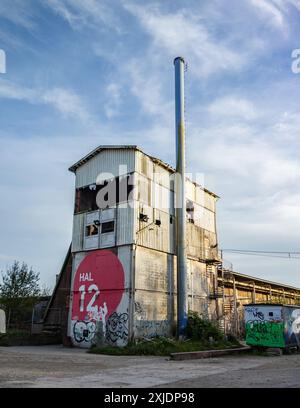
{"points": [[180, 206]]}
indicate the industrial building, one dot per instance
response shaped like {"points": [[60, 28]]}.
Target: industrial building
{"points": [[135, 236], [145, 250], [134, 233]]}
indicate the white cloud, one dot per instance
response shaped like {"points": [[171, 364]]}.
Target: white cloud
{"points": [[261, 164], [85, 13], [113, 100], [183, 33], [147, 86], [275, 12], [64, 100], [17, 12], [243, 141], [270, 11], [61, 9], [232, 106]]}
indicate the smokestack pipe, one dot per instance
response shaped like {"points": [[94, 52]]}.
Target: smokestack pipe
{"points": [[182, 304]]}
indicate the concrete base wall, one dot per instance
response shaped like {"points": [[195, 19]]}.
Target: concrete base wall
{"points": [[155, 306], [129, 292]]}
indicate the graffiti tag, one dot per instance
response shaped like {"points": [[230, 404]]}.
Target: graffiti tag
{"points": [[84, 331], [117, 327], [264, 333]]}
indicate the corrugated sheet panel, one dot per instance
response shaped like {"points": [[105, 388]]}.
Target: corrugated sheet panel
{"points": [[162, 176], [204, 218], [162, 198], [160, 237], [155, 297], [144, 187], [78, 226], [153, 304], [200, 242], [195, 241], [125, 256], [125, 223], [107, 161], [144, 165], [152, 271], [190, 191], [210, 202], [200, 196], [198, 282]]}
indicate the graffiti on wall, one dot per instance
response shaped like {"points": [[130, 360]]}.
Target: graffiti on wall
{"points": [[264, 333], [292, 326], [97, 293], [264, 326], [272, 326], [117, 327], [84, 331], [152, 328], [148, 328]]}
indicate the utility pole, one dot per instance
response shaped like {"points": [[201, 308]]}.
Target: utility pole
{"points": [[182, 303]]}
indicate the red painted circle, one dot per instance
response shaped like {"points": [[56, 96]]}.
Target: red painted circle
{"points": [[103, 269]]}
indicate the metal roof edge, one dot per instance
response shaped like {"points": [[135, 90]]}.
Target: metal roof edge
{"points": [[252, 278], [270, 304], [98, 149]]}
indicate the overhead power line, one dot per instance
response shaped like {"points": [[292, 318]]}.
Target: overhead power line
{"points": [[269, 254]]}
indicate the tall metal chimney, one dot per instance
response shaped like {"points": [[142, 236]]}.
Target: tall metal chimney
{"points": [[182, 304]]}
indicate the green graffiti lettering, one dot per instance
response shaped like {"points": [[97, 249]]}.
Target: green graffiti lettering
{"points": [[265, 333]]}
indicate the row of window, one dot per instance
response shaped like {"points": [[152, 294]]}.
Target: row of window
{"points": [[94, 229], [116, 191]]}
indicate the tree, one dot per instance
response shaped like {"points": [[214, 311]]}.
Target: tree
{"points": [[19, 288]]}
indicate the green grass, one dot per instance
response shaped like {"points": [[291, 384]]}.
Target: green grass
{"points": [[161, 346]]}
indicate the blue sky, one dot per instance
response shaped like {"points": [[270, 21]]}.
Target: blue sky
{"points": [[84, 72]]}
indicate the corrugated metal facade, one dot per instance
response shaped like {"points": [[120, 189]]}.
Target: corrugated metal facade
{"points": [[114, 161], [143, 238]]}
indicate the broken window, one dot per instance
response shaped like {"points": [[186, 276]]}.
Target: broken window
{"points": [[190, 210], [86, 197], [107, 227], [91, 230]]}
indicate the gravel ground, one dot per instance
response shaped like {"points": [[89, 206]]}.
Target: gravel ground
{"points": [[55, 366]]}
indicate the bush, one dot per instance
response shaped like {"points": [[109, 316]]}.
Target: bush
{"points": [[202, 329]]}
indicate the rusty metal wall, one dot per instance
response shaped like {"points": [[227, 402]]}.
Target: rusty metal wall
{"points": [[155, 291]]}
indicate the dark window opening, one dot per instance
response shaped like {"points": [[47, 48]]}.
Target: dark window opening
{"points": [[85, 199], [107, 227], [190, 211], [270, 313], [144, 217], [91, 230]]}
